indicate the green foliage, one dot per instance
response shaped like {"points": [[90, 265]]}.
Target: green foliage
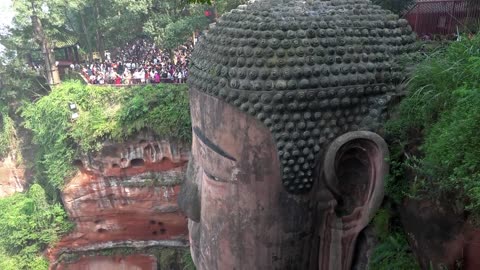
{"points": [[28, 223], [393, 253], [187, 261], [434, 135], [393, 250], [108, 24], [176, 33], [163, 109], [104, 113], [452, 148], [18, 82], [381, 223], [433, 83], [7, 132]]}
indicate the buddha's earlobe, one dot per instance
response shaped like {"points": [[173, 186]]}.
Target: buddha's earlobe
{"points": [[354, 169]]}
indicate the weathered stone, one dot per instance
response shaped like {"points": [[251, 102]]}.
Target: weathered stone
{"points": [[12, 176], [331, 29], [288, 167], [133, 262], [449, 241], [125, 196]]}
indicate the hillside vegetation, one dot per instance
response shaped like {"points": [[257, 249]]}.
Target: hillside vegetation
{"points": [[104, 113], [434, 132], [31, 221], [28, 224], [435, 150]]}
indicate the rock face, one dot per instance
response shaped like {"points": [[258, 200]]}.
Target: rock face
{"points": [[125, 196], [440, 236], [135, 262], [12, 177]]}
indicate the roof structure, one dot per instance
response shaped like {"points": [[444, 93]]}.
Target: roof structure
{"points": [[67, 41]]}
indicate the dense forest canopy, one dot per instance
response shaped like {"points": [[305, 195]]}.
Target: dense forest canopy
{"points": [[99, 25]]}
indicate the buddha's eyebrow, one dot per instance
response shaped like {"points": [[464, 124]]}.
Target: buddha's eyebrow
{"points": [[211, 145]]}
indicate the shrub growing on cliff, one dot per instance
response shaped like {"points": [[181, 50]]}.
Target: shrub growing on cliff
{"points": [[166, 111], [393, 250], [27, 225], [7, 131], [104, 113], [438, 123], [393, 253]]}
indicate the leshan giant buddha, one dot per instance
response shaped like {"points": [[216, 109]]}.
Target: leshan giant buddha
{"points": [[287, 100]]}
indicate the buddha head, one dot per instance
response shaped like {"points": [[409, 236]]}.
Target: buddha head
{"points": [[287, 101]]}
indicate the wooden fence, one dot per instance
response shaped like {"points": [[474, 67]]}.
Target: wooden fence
{"points": [[444, 17]]}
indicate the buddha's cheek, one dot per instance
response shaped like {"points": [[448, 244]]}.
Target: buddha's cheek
{"points": [[218, 222]]}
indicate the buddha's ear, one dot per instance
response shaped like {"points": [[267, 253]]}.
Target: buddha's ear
{"points": [[354, 167], [189, 197]]}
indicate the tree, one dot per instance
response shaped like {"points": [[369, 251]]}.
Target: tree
{"points": [[40, 22], [28, 223], [51, 70], [99, 25]]}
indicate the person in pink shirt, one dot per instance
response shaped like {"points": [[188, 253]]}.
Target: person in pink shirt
{"points": [[118, 80]]}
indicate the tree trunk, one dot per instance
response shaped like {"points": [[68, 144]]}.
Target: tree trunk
{"points": [[172, 56], [51, 70], [99, 35], [87, 37]]}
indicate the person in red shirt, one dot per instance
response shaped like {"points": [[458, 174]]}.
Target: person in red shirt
{"points": [[118, 80]]}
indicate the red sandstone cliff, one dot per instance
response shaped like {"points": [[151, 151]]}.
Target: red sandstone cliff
{"points": [[441, 235], [125, 196], [12, 176]]}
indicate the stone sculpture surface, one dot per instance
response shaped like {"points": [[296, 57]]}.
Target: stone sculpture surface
{"points": [[287, 100], [124, 197]]}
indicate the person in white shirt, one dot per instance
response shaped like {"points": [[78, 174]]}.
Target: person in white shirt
{"points": [[100, 79], [141, 76], [179, 76], [136, 77]]}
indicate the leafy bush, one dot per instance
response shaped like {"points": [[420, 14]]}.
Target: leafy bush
{"points": [[431, 89], [452, 148], [104, 113], [187, 261], [164, 110], [7, 131], [28, 224], [435, 131], [393, 253]]}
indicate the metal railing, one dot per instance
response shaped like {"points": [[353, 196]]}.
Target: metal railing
{"points": [[444, 17], [132, 82]]}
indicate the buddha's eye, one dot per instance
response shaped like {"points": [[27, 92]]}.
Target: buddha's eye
{"points": [[211, 177]]}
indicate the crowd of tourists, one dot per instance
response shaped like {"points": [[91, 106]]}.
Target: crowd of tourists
{"points": [[140, 62]]}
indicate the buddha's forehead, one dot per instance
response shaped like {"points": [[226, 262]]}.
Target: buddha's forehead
{"points": [[309, 70]]}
